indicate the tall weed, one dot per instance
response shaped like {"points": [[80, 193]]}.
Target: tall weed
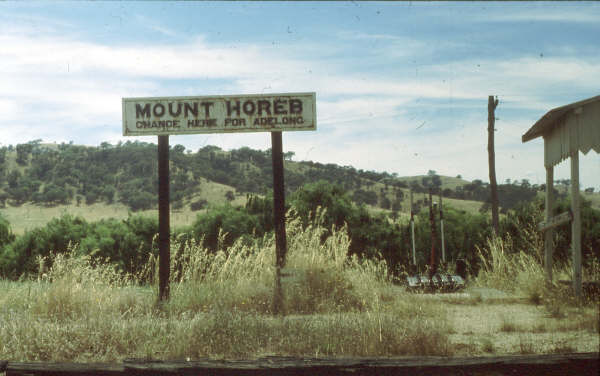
{"points": [[319, 277], [508, 269], [74, 286], [220, 306], [521, 271]]}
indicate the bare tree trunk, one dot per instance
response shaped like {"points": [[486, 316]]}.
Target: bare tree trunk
{"points": [[492, 104]]}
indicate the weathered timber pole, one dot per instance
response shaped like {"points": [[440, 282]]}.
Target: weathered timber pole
{"points": [[576, 223], [279, 218], [492, 104], [163, 219], [442, 229], [432, 260], [549, 233], [412, 230]]}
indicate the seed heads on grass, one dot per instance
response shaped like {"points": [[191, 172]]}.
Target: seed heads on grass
{"points": [[525, 346], [487, 346], [508, 326], [220, 307], [555, 308], [561, 347]]}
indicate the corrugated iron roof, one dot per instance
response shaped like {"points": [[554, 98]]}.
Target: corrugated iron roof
{"points": [[551, 118]]}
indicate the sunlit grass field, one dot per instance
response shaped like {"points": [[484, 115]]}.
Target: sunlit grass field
{"points": [[221, 307], [29, 216], [594, 198]]}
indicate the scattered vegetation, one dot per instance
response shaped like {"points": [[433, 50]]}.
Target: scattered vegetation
{"points": [[78, 310], [58, 174], [86, 290]]}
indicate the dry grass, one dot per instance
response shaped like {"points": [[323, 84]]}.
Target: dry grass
{"points": [[549, 318], [220, 307], [520, 328]]}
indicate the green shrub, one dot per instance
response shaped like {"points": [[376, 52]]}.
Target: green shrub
{"points": [[6, 235], [81, 310], [198, 204], [127, 244], [232, 222]]}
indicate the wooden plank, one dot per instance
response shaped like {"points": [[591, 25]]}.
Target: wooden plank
{"points": [[580, 364], [546, 364], [64, 369], [576, 223], [549, 234], [537, 365], [555, 221]]}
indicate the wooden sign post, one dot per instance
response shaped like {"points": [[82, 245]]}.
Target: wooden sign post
{"points": [[164, 228], [164, 116], [279, 217]]}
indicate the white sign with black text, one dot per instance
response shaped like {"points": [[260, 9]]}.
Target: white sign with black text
{"points": [[219, 114]]}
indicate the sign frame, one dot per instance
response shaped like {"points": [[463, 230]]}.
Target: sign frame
{"points": [[271, 104], [183, 115]]}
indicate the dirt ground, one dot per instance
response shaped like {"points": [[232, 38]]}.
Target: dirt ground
{"points": [[490, 322]]}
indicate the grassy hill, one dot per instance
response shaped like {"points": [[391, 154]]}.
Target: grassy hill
{"points": [[447, 181], [41, 181], [29, 216], [594, 198]]}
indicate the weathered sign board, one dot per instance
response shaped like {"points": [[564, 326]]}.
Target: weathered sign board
{"points": [[219, 114]]}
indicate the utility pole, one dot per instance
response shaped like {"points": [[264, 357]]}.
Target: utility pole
{"points": [[442, 229], [412, 230], [492, 104], [433, 259]]}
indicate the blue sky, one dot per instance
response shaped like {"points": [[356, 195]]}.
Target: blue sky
{"points": [[401, 87]]}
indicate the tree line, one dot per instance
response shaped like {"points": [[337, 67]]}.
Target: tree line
{"points": [[127, 172], [128, 243]]}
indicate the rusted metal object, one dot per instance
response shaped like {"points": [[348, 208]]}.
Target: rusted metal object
{"points": [[437, 283], [432, 281]]}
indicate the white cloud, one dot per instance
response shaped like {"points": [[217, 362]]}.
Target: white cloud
{"points": [[59, 88], [12, 23], [154, 25], [556, 12]]}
